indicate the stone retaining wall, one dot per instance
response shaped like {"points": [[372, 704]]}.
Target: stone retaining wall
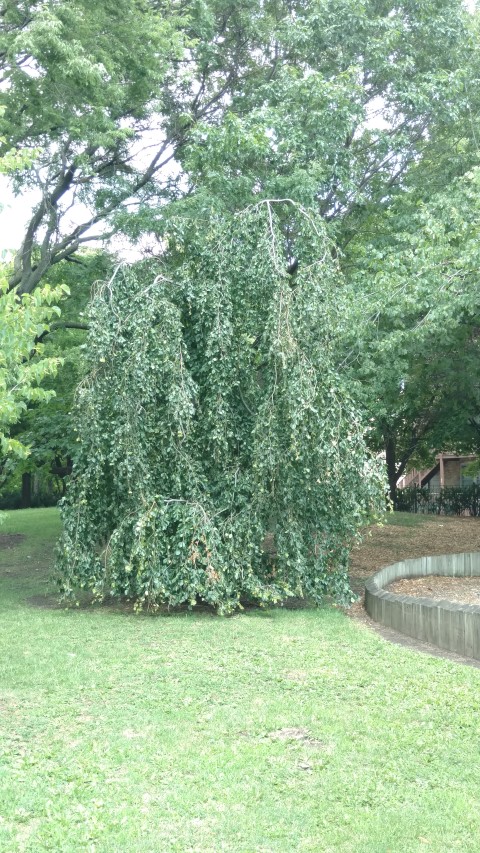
{"points": [[455, 627]]}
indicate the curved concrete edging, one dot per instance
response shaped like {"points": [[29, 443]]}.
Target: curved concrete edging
{"points": [[455, 627]]}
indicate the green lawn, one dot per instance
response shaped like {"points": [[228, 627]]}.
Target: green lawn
{"points": [[140, 734], [407, 519]]}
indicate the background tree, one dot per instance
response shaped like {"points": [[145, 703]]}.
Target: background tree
{"points": [[46, 426], [23, 364], [275, 99], [416, 358]]}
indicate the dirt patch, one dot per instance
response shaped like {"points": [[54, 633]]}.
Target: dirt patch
{"points": [[440, 588], [299, 675], [10, 540], [432, 535], [295, 734]]}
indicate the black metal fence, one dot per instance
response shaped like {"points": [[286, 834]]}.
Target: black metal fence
{"points": [[450, 500]]}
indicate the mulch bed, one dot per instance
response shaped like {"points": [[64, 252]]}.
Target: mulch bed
{"points": [[459, 590], [434, 535]]}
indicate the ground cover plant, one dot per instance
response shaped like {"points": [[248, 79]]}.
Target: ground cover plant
{"points": [[268, 732]]}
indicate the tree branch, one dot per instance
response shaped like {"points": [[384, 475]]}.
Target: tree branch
{"points": [[61, 324]]}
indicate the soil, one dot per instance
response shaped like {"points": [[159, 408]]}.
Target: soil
{"points": [[10, 540]]}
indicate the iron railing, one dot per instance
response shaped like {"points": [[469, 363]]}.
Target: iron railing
{"points": [[449, 500]]}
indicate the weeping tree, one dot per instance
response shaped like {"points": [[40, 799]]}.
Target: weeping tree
{"points": [[221, 457]]}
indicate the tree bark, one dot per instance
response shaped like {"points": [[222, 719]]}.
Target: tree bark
{"points": [[26, 490], [390, 455]]}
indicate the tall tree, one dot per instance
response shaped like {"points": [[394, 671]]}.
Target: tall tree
{"points": [[274, 98], [221, 454], [413, 305]]}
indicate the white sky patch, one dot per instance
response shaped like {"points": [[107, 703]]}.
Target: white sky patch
{"points": [[14, 215]]}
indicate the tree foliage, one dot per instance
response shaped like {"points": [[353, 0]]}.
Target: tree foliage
{"points": [[134, 102], [47, 426], [81, 83], [169, 119], [414, 345], [221, 456], [22, 367]]}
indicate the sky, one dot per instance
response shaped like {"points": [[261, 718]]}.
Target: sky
{"points": [[13, 216]]}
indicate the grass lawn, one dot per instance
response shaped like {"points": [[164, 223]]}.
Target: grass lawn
{"points": [[407, 519], [266, 732]]}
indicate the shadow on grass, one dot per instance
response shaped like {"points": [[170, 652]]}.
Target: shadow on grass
{"points": [[125, 607]]}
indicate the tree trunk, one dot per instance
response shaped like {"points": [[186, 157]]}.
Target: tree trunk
{"points": [[26, 490], [390, 455]]}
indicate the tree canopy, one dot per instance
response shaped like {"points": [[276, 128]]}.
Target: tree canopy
{"points": [[137, 103], [413, 346]]}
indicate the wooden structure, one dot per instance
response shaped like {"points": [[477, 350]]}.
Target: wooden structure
{"points": [[448, 470]]}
